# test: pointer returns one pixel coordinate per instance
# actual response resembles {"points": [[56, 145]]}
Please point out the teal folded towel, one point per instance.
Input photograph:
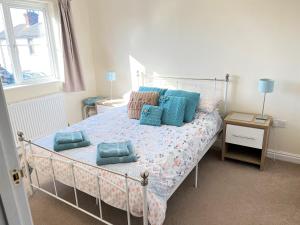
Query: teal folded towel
{"points": [[91, 101], [84, 143], [113, 160], [116, 149], [68, 137]]}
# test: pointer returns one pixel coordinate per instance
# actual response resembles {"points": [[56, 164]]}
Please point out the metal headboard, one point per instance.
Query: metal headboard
{"points": [[143, 79]]}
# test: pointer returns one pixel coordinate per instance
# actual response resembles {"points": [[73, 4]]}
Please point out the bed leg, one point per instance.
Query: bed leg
{"points": [[24, 155], [144, 184], [196, 176]]}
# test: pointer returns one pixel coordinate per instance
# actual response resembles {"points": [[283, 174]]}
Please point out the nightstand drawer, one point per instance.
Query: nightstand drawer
{"points": [[246, 136]]}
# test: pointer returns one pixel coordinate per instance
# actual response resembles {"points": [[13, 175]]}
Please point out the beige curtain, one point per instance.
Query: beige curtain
{"points": [[73, 73]]}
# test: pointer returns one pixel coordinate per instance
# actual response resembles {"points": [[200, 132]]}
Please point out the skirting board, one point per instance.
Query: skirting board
{"points": [[284, 156]]}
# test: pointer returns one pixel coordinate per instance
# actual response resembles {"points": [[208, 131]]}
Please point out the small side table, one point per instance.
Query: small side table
{"points": [[89, 106], [104, 105], [88, 110], [246, 140]]}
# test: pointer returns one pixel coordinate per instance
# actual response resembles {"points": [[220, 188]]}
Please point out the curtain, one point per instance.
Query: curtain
{"points": [[73, 73]]}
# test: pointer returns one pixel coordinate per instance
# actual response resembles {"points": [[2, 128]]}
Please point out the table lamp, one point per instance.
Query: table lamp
{"points": [[264, 86], [111, 76]]}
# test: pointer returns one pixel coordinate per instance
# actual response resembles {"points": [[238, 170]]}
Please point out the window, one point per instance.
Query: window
{"points": [[27, 43]]}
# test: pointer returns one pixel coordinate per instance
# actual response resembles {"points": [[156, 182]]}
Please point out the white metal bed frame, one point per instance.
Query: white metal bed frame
{"points": [[144, 175]]}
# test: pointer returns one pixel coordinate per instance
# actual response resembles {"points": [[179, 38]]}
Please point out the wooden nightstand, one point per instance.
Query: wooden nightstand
{"points": [[89, 106], [246, 140], [104, 105]]}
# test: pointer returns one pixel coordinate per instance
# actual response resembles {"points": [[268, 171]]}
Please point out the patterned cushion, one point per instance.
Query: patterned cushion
{"points": [[173, 110], [192, 102], [138, 99], [151, 115], [209, 105], [161, 91]]}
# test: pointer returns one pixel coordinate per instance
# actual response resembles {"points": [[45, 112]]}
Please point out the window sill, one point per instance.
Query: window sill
{"points": [[31, 84]]}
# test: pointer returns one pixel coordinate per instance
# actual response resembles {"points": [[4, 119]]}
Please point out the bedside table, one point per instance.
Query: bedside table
{"points": [[246, 139], [89, 106], [104, 105]]}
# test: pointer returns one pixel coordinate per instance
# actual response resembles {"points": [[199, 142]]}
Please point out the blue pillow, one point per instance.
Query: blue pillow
{"points": [[173, 110], [161, 91], [192, 102], [151, 115]]}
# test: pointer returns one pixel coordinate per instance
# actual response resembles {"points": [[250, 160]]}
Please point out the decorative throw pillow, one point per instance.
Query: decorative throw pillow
{"points": [[161, 91], [151, 115], [192, 101], [138, 99], [173, 110], [209, 105]]}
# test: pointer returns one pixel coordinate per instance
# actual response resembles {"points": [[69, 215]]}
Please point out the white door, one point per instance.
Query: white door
{"points": [[14, 208]]}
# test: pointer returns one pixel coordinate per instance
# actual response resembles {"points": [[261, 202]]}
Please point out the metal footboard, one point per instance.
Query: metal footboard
{"points": [[72, 166]]}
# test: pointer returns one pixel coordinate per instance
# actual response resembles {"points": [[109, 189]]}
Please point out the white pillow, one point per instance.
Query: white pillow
{"points": [[209, 104]]}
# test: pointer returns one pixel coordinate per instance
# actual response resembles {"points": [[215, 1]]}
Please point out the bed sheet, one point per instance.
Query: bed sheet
{"points": [[166, 152]]}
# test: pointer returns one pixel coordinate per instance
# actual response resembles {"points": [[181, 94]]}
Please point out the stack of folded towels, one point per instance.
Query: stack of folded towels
{"points": [[117, 152], [69, 140]]}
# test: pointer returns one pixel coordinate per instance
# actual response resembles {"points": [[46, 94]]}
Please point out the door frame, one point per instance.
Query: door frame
{"points": [[13, 195]]}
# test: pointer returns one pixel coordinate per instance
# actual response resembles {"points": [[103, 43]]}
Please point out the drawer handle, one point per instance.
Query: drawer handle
{"points": [[244, 137]]}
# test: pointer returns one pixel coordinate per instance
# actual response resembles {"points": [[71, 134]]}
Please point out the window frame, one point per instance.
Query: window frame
{"points": [[47, 8]]}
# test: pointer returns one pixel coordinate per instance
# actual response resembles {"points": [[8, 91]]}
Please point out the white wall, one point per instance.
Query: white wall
{"points": [[250, 39], [72, 100]]}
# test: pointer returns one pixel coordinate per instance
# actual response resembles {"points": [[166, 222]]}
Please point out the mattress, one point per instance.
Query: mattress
{"points": [[166, 152]]}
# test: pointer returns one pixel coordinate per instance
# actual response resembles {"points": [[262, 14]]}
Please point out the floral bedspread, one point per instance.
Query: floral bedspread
{"points": [[166, 152]]}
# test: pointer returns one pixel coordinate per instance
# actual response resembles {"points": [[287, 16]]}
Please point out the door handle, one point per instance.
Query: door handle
{"points": [[244, 137]]}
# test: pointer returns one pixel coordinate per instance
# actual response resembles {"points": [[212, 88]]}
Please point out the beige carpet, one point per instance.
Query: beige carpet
{"points": [[229, 193]]}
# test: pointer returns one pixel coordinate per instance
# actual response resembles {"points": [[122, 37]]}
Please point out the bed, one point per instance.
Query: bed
{"points": [[166, 156]]}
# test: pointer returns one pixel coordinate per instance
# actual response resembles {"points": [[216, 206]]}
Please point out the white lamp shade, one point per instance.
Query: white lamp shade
{"points": [[111, 76]]}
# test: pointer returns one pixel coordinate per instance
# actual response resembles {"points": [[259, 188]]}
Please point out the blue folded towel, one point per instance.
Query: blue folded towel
{"points": [[91, 101], [116, 149], [61, 147], [113, 160], [68, 137]]}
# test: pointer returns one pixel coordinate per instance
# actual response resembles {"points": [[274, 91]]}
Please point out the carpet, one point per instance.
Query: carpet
{"points": [[228, 193]]}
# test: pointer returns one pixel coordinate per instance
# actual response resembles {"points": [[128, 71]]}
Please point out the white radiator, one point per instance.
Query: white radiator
{"points": [[39, 116]]}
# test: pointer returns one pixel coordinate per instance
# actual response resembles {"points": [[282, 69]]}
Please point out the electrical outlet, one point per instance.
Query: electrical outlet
{"points": [[279, 123]]}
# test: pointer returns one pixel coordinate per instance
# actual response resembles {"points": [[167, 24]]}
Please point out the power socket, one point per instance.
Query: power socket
{"points": [[279, 123]]}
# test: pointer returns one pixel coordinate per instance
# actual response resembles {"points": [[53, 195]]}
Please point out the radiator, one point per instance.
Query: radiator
{"points": [[38, 117]]}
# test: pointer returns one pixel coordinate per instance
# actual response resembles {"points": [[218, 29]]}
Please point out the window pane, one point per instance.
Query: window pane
{"points": [[6, 68], [32, 43]]}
